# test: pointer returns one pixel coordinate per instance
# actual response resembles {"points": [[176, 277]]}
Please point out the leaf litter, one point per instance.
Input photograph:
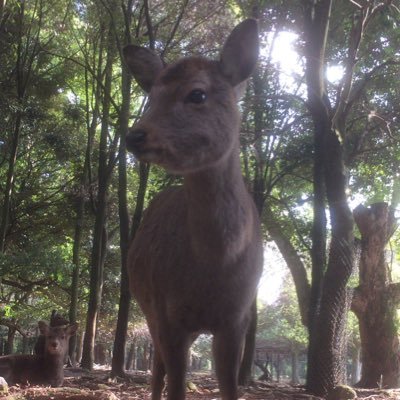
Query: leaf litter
{"points": [[97, 385]]}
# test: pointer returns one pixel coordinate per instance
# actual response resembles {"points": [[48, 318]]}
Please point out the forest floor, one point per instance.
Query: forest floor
{"points": [[97, 385]]}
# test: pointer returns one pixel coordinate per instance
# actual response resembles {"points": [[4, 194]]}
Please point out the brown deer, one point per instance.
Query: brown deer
{"points": [[196, 259], [56, 319], [42, 369]]}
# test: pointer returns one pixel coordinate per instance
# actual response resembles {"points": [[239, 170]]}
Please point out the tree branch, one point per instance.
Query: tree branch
{"points": [[13, 325]]}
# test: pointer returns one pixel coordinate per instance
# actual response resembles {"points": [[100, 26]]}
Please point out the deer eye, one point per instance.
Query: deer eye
{"points": [[196, 96]]}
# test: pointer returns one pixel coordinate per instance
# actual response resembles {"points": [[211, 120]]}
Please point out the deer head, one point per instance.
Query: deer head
{"points": [[192, 121]]}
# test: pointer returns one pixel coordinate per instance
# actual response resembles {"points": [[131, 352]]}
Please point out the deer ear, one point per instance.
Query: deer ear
{"points": [[240, 52], [71, 329], [144, 65], [43, 327]]}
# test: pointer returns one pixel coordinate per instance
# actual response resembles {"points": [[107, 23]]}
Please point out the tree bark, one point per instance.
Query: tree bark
{"points": [[375, 303], [10, 340], [130, 359], [125, 297], [295, 367], [9, 182], [100, 230], [73, 309], [355, 365], [293, 261], [118, 360], [329, 301], [83, 190]]}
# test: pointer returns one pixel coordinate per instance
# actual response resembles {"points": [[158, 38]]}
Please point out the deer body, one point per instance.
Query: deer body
{"points": [[195, 262], [46, 368]]}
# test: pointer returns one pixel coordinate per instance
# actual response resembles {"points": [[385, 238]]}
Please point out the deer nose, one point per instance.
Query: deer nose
{"points": [[135, 138]]}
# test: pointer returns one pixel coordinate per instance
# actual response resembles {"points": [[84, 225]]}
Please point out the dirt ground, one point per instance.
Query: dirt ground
{"points": [[79, 385]]}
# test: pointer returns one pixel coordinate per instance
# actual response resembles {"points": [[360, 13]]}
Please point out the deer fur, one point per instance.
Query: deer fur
{"points": [[196, 260], [41, 369]]}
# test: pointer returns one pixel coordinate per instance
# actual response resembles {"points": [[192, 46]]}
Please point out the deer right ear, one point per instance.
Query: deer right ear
{"points": [[144, 65]]}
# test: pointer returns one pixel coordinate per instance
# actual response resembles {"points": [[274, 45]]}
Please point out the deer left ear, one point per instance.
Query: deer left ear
{"points": [[71, 329], [240, 52]]}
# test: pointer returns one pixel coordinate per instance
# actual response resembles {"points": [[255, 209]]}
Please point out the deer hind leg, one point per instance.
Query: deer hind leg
{"points": [[175, 347], [158, 375], [227, 350]]}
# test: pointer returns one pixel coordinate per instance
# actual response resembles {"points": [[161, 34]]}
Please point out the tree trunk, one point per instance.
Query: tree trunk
{"points": [[125, 297], [327, 368], [9, 182], [375, 304], [130, 359], [80, 213], [118, 360], [295, 367], [329, 302], [293, 261], [79, 347], [22, 79], [73, 309], [9, 348], [278, 367], [100, 231], [91, 124], [355, 365]]}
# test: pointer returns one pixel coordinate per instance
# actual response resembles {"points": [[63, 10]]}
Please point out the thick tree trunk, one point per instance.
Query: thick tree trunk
{"points": [[316, 28], [329, 301], [329, 367], [375, 304]]}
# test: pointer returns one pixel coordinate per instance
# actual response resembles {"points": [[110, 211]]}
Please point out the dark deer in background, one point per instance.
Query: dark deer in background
{"points": [[42, 369], [197, 258], [56, 319]]}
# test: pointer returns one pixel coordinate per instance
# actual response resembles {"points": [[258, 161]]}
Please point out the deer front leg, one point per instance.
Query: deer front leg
{"points": [[227, 350]]}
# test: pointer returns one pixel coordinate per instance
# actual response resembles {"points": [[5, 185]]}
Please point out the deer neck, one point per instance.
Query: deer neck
{"points": [[220, 213]]}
